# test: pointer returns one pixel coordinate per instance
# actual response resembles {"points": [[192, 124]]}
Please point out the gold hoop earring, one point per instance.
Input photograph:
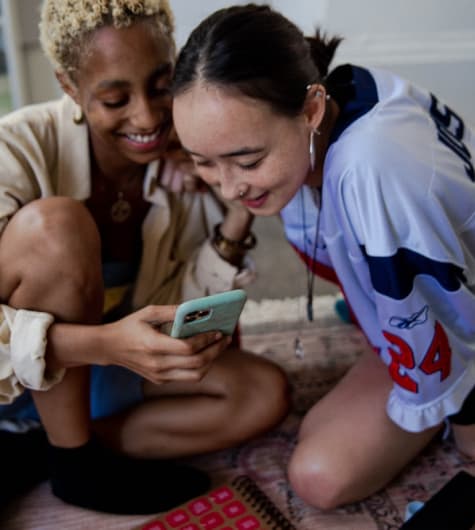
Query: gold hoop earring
{"points": [[78, 116]]}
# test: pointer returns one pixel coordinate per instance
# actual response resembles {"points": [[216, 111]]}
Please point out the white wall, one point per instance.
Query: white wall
{"points": [[31, 77], [432, 42], [188, 13]]}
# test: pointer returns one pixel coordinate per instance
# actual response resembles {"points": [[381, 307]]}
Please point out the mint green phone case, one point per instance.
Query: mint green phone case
{"points": [[218, 312]]}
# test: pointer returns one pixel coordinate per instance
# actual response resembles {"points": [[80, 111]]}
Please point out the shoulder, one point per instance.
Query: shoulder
{"points": [[379, 162], [36, 112], [384, 121], [36, 123], [388, 146]]}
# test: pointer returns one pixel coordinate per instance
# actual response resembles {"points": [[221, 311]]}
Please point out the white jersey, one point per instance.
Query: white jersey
{"points": [[397, 229]]}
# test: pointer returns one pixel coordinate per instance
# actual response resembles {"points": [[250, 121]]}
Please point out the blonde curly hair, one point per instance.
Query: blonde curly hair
{"points": [[67, 25]]}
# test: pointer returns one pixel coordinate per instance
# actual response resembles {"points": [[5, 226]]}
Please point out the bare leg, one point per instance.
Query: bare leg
{"points": [[242, 396], [50, 261], [348, 447], [465, 439]]}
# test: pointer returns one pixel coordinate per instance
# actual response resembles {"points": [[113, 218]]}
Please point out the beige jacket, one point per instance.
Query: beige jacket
{"points": [[44, 153]]}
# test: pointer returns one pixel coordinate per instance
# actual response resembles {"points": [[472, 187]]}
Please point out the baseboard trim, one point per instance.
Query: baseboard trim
{"points": [[400, 48]]}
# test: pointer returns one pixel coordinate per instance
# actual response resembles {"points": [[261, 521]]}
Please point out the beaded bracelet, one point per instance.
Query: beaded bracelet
{"points": [[230, 249]]}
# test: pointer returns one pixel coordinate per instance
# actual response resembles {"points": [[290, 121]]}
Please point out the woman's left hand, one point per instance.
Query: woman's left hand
{"points": [[179, 173], [237, 220]]}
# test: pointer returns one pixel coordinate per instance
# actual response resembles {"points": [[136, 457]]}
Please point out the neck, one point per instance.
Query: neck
{"points": [[112, 167], [315, 178], [116, 175]]}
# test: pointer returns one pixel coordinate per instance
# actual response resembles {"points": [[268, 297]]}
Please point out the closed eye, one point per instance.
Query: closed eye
{"points": [[115, 104], [202, 163], [251, 165]]}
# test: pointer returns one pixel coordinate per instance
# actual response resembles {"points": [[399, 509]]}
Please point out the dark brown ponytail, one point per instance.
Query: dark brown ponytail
{"points": [[322, 50]]}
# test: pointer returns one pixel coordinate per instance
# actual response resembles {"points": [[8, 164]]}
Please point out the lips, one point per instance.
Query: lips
{"points": [[256, 202], [143, 138], [150, 141]]}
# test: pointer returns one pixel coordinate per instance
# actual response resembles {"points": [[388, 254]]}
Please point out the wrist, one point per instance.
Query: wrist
{"points": [[72, 345], [230, 249], [236, 224]]}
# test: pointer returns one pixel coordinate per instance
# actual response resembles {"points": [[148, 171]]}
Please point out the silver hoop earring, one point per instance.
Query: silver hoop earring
{"points": [[311, 149]]}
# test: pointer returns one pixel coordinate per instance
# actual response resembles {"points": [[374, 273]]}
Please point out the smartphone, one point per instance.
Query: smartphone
{"points": [[217, 312]]}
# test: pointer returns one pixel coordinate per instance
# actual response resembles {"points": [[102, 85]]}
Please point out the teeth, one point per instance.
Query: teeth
{"points": [[143, 138]]}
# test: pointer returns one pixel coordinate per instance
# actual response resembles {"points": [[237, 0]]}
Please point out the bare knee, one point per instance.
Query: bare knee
{"points": [[270, 393], [50, 249], [255, 394], [314, 482], [51, 221]]}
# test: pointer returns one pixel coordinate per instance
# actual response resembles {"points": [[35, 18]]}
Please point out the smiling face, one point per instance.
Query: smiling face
{"points": [[243, 146], [123, 87]]}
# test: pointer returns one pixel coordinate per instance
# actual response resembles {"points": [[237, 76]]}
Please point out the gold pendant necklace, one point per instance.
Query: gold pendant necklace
{"points": [[121, 209], [298, 346]]}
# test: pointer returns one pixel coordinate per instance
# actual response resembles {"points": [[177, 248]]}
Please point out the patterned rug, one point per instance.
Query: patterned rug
{"points": [[269, 329]]}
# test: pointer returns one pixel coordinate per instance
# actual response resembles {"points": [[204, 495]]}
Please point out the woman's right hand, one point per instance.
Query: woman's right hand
{"points": [[135, 342]]}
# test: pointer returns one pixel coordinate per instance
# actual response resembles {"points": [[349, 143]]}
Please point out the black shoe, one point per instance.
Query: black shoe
{"points": [[94, 477], [24, 465]]}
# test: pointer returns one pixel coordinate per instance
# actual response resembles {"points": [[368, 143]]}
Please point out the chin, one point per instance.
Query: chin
{"points": [[276, 208], [269, 212], [145, 158], [265, 211]]}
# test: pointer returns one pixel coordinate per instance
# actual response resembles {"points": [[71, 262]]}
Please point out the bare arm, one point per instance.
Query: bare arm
{"points": [[135, 342]]}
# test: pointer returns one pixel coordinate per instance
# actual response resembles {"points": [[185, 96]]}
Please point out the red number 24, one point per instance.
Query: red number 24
{"points": [[437, 359]]}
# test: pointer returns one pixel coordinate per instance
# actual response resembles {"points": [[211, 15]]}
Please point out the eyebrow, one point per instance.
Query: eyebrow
{"points": [[239, 152], [161, 71]]}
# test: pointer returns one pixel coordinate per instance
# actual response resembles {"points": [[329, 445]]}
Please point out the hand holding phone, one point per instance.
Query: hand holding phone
{"points": [[217, 312]]}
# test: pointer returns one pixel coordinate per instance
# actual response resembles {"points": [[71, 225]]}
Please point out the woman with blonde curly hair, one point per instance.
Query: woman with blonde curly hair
{"points": [[92, 246]]}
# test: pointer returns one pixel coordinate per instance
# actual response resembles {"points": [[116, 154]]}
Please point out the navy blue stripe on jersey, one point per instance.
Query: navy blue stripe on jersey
{"points": [[394, 276], [354, 90]]}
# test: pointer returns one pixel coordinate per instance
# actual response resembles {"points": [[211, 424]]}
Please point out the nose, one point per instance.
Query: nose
{"points": [[229, 184], [145, 114]]}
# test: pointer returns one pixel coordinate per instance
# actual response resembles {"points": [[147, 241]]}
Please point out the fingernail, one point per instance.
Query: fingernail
{"points": [[219, 335]]}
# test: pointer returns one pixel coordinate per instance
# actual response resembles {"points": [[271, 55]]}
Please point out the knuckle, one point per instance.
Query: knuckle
{"points": [[197, 361], [190, 348], [154, 365], [196, 376]]}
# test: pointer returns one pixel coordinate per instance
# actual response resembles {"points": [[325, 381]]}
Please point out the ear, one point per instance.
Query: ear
{"points": [[315, 105], [67, 85]]}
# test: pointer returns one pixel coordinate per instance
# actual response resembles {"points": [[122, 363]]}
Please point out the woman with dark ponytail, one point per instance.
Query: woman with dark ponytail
{"points": [[373, 178]]}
